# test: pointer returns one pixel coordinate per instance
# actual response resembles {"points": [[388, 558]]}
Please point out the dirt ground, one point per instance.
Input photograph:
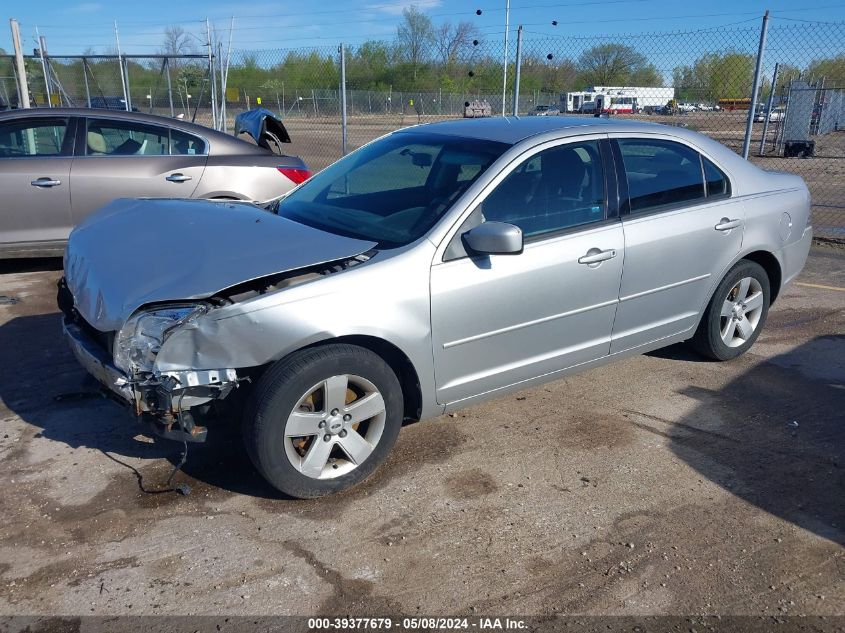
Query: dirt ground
{"points": [[663, 484]]}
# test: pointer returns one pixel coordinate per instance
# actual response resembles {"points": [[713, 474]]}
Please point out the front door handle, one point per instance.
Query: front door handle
{"points": [[596, 256], [177, 177], [726, 224], [45, 182]]}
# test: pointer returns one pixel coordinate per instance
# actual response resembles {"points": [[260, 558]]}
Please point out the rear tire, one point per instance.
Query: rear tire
{"points": [[736, 314], [323, 419]]}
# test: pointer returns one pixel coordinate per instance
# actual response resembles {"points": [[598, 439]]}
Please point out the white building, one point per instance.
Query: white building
{"points": [[616, 99]]}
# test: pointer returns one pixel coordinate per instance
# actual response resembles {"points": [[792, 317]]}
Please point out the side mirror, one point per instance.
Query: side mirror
{"points": [[494, 238]]}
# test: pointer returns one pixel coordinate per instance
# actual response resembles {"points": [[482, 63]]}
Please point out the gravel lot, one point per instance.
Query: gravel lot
{"points": [[663, 484]]}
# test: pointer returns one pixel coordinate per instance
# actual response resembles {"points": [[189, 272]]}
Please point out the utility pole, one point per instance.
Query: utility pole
{"points": [[505, 67], [41, 53], [120, 65], [23, 89]]}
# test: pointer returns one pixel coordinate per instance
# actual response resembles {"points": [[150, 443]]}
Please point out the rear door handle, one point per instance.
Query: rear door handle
{"points": [[177, 177], [595, 256], [726, 224], [45, 182]]}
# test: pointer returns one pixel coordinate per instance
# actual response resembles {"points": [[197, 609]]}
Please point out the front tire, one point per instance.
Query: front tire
{"points": [[736, 313], [323, 419]]}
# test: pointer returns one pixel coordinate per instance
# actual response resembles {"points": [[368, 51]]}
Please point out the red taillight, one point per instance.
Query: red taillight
{"points": [[296, 175]]}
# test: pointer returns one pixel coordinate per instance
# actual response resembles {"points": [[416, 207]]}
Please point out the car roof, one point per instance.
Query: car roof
{"points": [[228, 142], [512, 130]]}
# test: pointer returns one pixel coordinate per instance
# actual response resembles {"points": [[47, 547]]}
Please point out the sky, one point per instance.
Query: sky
{"points": [[74, 27]]}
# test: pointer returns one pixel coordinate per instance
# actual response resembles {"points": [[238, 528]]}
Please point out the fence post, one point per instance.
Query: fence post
{"points": [[128, 92], [120, 66], [212, 76], [23, 86], [515, 110], [41, 53], [505, 66], [169, 86], [768, 111], [749, 124], [85, 77], [343, 97]]}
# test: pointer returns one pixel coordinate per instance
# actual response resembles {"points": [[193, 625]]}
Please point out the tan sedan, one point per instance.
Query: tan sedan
{"points": [[59, 165]]}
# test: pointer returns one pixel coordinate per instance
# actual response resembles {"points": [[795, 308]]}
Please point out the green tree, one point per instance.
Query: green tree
{"points": [[715, 76], [831, 69], [616, 65]]}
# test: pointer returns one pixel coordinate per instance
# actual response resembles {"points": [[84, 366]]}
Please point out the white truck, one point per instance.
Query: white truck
{"points": [[615, 99]]}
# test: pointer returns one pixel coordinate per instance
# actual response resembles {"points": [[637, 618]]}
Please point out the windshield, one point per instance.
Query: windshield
{"points": [[391, 191]]}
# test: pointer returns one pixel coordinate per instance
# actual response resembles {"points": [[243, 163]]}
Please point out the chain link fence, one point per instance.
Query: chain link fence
{"points": [[699, 79]]}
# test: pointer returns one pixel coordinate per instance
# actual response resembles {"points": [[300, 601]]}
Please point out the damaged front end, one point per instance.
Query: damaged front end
{"points": [[124, 299], [124, 363]]}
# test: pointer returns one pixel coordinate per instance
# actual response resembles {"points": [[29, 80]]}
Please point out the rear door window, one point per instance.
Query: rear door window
{"points": [[110, 137], [126, 138], [660, 173], [184, 144]]}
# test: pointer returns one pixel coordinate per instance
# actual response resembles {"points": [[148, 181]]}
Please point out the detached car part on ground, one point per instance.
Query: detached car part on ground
{"points": [[437, 267], [59, 165]]}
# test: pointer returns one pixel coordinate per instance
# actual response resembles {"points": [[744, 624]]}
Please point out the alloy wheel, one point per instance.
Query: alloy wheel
{"points": [[335, 426], [741, 312]]}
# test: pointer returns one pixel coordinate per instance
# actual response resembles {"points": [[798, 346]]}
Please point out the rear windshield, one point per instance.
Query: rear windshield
{"points": [[394, 190]]}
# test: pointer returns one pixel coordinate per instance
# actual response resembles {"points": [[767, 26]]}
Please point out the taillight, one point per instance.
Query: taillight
{"points": [[296, 175]]}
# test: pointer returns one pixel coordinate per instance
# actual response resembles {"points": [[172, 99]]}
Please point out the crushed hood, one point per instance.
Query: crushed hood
{"points": [[134, 252]]}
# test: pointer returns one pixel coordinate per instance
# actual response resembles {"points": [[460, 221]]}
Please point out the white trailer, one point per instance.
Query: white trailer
{"points": [[615, 99]]}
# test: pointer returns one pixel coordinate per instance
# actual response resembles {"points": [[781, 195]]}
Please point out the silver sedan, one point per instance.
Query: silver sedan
{"points": [[59, 165], [437, 267]]}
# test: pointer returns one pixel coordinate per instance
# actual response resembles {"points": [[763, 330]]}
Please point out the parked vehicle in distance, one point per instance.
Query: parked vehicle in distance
{"points": [[687, 107], [704, 107], [59, 165], [437, 267], [110, 103], [776, 114], [545, 110], [588, 107]]}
